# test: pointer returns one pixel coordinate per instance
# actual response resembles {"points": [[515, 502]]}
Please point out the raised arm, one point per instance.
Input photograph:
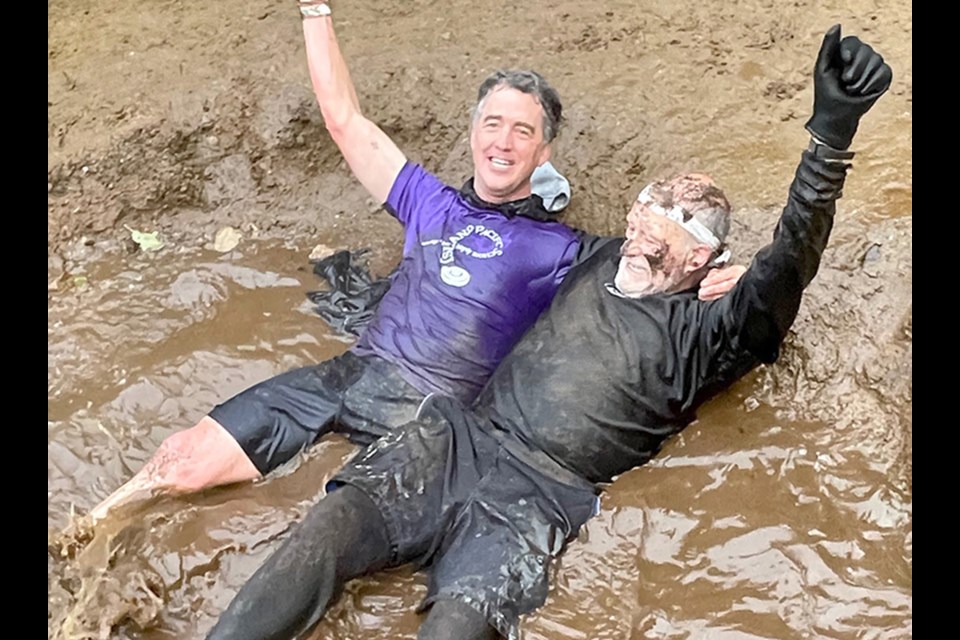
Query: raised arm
{"points": [[373, 157], [849, 77]]}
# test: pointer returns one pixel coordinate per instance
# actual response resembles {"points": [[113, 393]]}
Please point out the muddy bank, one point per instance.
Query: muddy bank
{"points": [[179, 110]]}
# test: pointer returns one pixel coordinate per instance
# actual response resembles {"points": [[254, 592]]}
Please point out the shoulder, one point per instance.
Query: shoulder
{"points": [[591, 245], [414, 175], [415, 187]]}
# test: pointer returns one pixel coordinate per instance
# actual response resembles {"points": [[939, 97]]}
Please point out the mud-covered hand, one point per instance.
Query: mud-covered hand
{"points": [[718, 282], [848, 78]]}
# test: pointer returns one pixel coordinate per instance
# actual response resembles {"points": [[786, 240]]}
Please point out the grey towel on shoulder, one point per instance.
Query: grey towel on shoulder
{"points": [[552, 187]]}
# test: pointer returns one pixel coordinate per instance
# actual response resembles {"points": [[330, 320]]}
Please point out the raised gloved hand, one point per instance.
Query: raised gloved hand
{"points": [[848, 78]]}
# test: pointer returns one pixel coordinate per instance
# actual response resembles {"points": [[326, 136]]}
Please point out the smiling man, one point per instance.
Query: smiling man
{"points": [[506, 140], [660, 229], [479, 265]]}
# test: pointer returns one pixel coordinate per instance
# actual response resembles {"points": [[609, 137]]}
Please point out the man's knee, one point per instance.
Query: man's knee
{"points": [[455, 619], [205, 455], [173, 466], [359, 533]]}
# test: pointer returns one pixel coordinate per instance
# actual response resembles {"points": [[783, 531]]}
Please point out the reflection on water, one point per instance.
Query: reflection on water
{"points": [[739, 530], [223, 322], [747, 526]]}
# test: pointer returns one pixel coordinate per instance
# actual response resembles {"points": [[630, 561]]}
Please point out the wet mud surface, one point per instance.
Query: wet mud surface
{"points": [[785, 511]]}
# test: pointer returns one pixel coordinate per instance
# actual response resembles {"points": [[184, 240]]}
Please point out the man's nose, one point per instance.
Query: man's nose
{"points": [[505, 138], [630, 248]]}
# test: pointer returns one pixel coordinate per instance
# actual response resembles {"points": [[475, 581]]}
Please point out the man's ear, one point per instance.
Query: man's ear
{"points": [[544, 154], [698, 258]]}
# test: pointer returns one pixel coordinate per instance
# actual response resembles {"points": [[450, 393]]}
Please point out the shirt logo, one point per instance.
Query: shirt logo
{"points": [[456, 275]]}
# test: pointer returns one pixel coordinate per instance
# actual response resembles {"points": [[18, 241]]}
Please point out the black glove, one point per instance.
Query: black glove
{"points": [[847, 80]]}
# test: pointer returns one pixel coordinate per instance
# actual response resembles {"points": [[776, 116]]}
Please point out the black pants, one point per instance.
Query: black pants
{"points": [[342, 537]]}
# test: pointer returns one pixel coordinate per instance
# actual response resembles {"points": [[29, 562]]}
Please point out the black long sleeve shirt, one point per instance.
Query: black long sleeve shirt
{"points": [[601, 381]]}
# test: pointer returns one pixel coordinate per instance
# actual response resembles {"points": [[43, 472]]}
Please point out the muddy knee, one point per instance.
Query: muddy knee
{"points": [[197, 458]]}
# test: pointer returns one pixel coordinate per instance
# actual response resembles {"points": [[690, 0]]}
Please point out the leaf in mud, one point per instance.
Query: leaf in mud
{"points": [[320, 251], [227, 239], [146, 241]]}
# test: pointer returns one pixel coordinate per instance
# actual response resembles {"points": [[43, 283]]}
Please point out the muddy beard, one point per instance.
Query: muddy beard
{"points": [[663, 274], [663, 270]]}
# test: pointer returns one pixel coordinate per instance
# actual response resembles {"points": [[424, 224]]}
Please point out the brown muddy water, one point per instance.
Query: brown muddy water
{"points": [[784, 512], [749, 525]]}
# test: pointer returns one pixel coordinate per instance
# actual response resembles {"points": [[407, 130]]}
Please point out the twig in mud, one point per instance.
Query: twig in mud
{"points": [[107, 432]]}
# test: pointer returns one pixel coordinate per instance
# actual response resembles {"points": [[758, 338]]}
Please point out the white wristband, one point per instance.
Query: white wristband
{"points": [[315, 10]]}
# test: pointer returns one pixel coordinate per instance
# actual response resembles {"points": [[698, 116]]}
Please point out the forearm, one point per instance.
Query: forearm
{"points": [[374, 159], [329, 74], [766, 304], [804, 227]]}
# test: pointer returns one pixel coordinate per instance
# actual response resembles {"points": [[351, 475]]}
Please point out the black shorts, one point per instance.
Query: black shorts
{"points": [[361, 397], [457, 500]]}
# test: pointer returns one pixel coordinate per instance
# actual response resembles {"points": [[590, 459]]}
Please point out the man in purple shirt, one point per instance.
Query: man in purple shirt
{"points": [[479, 266]]}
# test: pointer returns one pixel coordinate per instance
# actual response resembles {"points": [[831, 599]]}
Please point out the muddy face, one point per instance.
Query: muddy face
{"points": [[654, 256]]}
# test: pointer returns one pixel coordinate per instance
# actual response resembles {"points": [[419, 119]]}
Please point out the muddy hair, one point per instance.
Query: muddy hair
{"points": [[529, 82], [698, 196]]}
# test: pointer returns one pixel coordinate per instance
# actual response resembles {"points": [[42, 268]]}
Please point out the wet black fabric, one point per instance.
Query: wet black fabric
{"points": [[350, 301], [601, 381], [590, 244], [361, 397], [530, 207], [461, 499], [342, 537], [453, 619]]}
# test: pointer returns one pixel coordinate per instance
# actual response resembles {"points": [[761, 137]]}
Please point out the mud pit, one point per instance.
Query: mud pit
{"points": [[784, 512]]}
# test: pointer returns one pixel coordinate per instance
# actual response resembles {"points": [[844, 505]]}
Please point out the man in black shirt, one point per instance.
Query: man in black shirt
{"points": [[486, 497]]}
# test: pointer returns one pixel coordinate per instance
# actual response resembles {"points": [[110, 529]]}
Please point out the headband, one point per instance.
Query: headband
{"points": [[688, 221]]}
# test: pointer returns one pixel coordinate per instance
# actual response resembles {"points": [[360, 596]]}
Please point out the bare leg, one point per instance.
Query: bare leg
{"points": [[197, 458], [342, 537], [454, 619]]}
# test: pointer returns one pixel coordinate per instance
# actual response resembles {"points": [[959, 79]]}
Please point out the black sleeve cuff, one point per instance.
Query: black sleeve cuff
{"points": [[821, 149]]}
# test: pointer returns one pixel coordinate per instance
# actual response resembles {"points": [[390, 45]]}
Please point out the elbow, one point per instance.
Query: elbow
{"points": [[763, 337], [764, 323], [335, 129], [337, 121]]}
